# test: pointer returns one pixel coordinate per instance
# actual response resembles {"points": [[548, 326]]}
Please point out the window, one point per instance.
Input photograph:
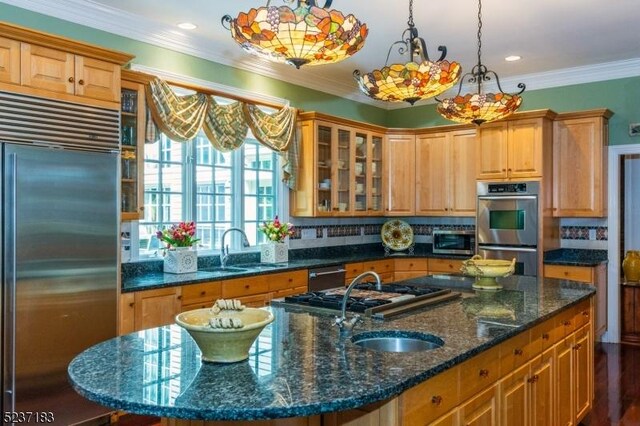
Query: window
{"points": [[193, 181]]}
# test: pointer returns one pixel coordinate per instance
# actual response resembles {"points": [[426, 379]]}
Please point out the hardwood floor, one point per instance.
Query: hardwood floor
{"points": [[617, 386]]}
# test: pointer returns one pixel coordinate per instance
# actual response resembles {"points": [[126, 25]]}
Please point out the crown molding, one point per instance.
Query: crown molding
{"points": [[112, 20]]}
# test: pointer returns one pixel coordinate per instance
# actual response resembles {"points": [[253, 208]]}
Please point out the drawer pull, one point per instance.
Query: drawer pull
{"points": [[131, 304], [484, 373], [566, 273], [545, 336], [81, 82], [566, 323], [577, 347], [533, 379], [203, 293], [585, 313], [71, 80], [517, 352], [247, 286], [436, 400]]}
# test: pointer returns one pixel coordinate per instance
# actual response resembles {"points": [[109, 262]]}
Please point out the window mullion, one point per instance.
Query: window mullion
{"points": [[237, 193], [189, 179]]}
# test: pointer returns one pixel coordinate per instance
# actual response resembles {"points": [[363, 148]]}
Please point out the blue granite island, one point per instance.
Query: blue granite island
{"points": [[299, 367]]}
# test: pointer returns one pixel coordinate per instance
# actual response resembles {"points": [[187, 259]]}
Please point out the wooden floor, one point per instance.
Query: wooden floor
{"points": [[617, 386], [617, 382]]}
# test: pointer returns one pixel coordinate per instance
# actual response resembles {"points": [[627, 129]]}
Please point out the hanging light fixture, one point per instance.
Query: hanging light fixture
{"points": [[420, 78], [480, 107], [306, 35]]}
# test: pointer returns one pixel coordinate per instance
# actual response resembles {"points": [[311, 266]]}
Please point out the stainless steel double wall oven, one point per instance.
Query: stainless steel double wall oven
{"points": [[507, 223]]}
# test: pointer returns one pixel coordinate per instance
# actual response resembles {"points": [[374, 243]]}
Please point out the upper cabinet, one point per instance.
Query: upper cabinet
{"points": [[516, 148], [340, 170], [41, 64], [580, 164], [132, 121], [431, 174]]}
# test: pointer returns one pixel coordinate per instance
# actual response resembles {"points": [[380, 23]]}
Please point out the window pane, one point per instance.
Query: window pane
{"points": [[250, 182], [223, 158], [250, 156], [266, 183], [152, 151], [250, 208], [172, 178], [171, 151], [251, 229], [222, 180], [223, 209], [266, 158], [173, 208]]}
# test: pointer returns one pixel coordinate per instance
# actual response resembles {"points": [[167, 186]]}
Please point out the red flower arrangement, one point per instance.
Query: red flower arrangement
{"points": [[180, 235], [276, 230]]}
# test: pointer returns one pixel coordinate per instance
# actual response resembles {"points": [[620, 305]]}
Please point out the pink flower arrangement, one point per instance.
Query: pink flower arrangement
{"points": [[276, 230], [180, 235]]}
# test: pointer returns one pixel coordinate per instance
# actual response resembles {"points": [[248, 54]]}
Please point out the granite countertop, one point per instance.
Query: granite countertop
{"points": [[576, 257], [299, 366]]}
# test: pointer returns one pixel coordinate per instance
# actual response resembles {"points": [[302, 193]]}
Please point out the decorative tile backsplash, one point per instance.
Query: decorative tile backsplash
{"points": [[582, 232], [371, 229]]}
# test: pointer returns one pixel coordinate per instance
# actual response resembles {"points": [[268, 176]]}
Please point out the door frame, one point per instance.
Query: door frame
{"points": [[613, 279]]}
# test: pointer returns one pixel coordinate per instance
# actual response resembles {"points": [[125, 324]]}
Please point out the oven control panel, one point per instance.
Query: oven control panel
{"points": [[507, 188]]}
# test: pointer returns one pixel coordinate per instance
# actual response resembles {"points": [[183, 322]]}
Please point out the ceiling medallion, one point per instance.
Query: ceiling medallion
{"points": [[306, 35], [420, 78], [480, 107]]}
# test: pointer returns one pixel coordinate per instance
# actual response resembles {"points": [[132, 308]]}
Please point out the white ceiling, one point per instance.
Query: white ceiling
{"points": [[599, 39]]}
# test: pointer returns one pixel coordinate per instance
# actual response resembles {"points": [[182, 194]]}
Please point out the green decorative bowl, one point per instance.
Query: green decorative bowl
{"points": [[224, 345]]}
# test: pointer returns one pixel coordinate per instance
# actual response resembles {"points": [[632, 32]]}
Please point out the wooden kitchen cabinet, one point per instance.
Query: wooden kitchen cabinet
{"points": [[631, 314], [400, 175], [288, 283], [444, 266], [580, 143], [127, 314], [132, 131], [410, 268], [340, 170], [9, 61], [597, 277], [445, 173], [481, 410], [515, 148], [155, 308]]}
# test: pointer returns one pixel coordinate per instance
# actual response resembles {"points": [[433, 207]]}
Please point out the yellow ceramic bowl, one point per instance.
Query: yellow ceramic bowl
{"points": [[487, 270], [224, 345]]}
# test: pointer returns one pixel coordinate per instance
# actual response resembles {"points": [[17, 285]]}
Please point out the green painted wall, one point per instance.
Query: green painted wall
{"points": [[157, 57], [621, 96]]}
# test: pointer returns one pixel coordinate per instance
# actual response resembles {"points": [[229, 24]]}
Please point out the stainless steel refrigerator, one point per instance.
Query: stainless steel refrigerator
{"points": [[59, 249]]}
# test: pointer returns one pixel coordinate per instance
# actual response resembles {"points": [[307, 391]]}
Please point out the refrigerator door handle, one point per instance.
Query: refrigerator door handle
{"points": [[10, 285]]}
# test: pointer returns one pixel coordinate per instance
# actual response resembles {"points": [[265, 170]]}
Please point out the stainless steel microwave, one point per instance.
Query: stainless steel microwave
{"points": [[454, 242]]}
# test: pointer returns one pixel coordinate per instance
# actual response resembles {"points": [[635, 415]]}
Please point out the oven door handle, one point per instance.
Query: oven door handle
{"points": [[507, 197], [319, 274], [508, 248]]}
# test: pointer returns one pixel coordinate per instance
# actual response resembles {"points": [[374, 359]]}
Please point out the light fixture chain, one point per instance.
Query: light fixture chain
{"points": [[479, 31], [410, 22]]}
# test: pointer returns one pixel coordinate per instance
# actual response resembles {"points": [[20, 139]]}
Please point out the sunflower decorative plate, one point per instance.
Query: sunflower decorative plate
{"points": [[397, 235]]}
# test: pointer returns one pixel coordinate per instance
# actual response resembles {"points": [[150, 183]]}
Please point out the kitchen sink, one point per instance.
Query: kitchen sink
{"points": [[227, 269], [397, 341], [258, 265]]}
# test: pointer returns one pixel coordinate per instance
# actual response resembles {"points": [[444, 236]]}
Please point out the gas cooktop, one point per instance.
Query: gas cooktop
{"points": [[394, 299]]}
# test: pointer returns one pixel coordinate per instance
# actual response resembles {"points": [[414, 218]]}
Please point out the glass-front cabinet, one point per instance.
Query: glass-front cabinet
{"points": [[132, 115], [340, 171]]}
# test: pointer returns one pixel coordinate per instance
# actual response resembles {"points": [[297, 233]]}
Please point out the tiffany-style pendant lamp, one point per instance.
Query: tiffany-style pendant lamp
{"points": [[417, 79], [306, 35], [480, 107]]}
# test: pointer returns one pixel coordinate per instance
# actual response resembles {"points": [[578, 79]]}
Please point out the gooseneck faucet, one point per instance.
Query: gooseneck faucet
{"points": [[224, 250], [346, 326]]}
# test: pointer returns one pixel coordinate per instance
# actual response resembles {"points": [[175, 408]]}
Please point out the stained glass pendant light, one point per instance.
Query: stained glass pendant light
{"points": [[420, 78], [306, 35], [480, 107]]}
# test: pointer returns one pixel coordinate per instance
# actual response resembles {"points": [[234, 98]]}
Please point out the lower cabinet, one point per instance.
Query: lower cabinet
{"points": [[481, 410], [410, 268], [148, 309], [631, 313], [444, 266]]}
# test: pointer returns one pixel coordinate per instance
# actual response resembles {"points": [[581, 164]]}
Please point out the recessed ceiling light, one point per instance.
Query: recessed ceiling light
{"points": [[187, 26], [512, 58]]}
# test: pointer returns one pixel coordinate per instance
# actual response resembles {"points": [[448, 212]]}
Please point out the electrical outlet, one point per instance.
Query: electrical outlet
{"points": [[592, 234], [308, 234]]}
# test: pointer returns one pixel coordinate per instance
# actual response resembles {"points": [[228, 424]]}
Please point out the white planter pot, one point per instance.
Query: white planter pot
{"points": [[274, 252], [181, 260]]}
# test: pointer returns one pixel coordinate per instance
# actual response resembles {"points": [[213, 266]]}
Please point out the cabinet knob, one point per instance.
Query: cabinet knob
{"points": [[504, 170], [247, 286], [484, 373], [566, 323], [203, 293], [131, 304], [509, 170], [533, 378], [81, 82], [179, 297], [71, 79], [577, 347], [545, 336], [436, 400], [585, 313], [517, 352]]}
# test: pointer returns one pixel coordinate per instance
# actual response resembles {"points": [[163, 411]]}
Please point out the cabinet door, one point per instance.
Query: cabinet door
{"points": [[48, 69], [565, 382], [132, 122], [631, 313], [342, 182], [541, 385], [524, 149], [481, 410], [491, 151], [361, 170], [154, 308], [432, 174], [375, 175], [514, 396], [126, 324], [97, 79], [583, 376], [400, 175], [579, 170], [325, 140], [462, 173], [9, 61]]}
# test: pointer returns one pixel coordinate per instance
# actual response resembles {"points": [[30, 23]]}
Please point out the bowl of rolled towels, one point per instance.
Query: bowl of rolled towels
{"points": [[225, 332]]}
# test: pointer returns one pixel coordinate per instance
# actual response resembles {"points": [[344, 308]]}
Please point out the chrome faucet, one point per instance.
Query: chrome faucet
{"points": [[346, 326], [224, 250]]}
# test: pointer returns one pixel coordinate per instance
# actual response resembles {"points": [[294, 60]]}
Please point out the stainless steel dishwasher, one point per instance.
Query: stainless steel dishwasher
{"points": [[327, 277]]}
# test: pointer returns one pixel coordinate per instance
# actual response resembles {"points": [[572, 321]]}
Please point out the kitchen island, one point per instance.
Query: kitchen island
{"points": [[534, 332]]}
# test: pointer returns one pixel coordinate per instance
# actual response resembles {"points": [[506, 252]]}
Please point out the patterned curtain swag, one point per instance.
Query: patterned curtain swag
{"points": [[182, 117]]}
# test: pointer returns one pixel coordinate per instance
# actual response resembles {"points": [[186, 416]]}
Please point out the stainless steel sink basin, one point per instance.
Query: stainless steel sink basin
{"points": [[263, 265], [397, 341], [226, 269]]}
